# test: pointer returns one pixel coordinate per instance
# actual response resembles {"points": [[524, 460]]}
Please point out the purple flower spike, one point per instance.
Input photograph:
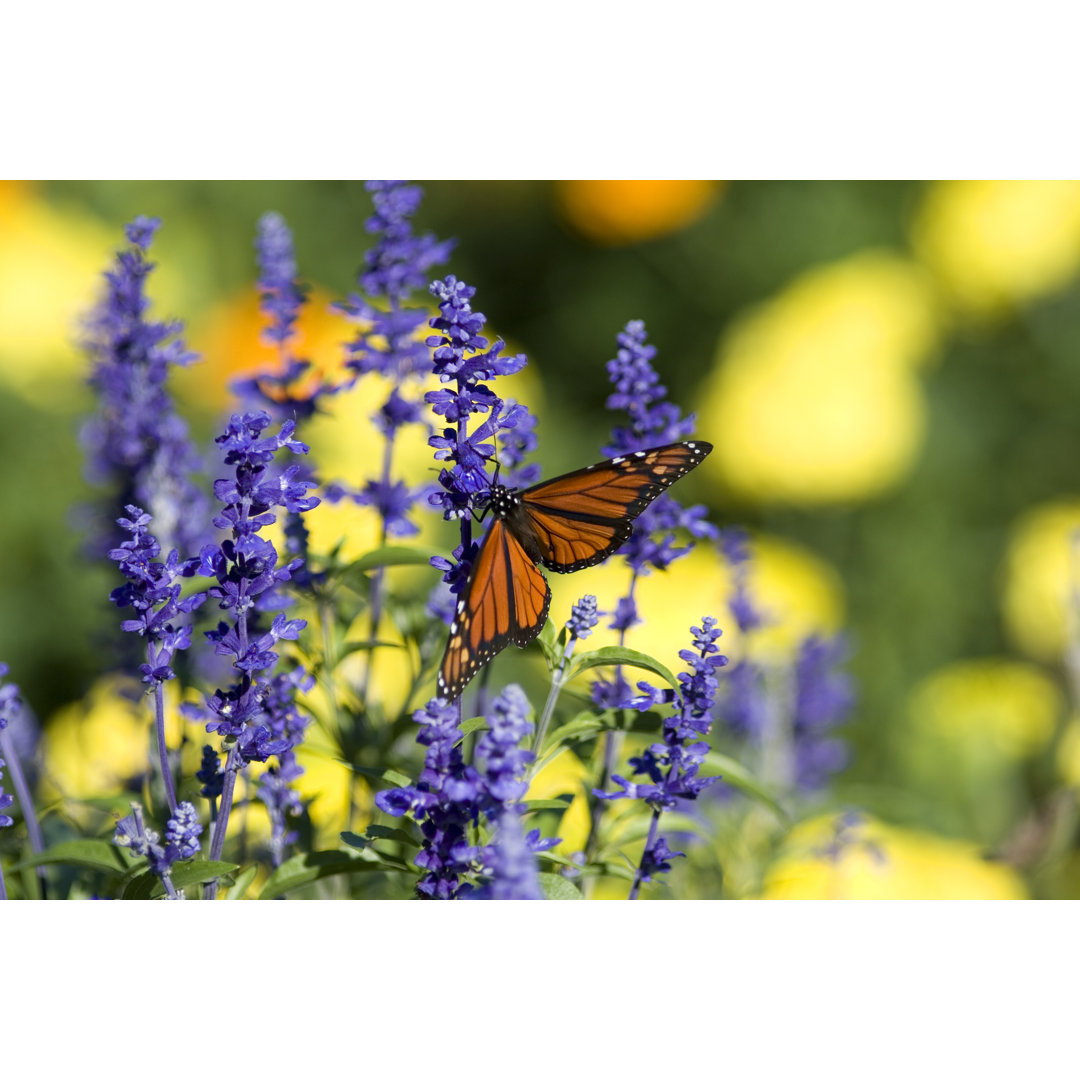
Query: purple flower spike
{"points": [[451, 796], [388, 342], [444, 802], [824, 697], [654, 422], [137, 443], [513, 864], [256, 716], [793, 731], [464, 357], [153, 592], [182, 834], [281, 296], [583, 617], [672, 767]]}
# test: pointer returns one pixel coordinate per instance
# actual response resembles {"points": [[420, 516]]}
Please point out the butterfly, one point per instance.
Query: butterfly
{"points": [[573, 521]]}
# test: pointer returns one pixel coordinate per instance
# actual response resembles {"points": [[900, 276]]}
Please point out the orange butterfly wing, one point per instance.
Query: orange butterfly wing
{"points": [[576, 520], [506, 600], [583, 517]]}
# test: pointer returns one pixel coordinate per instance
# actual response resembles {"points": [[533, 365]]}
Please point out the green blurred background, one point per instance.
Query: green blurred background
{"points": [[890, 373]]}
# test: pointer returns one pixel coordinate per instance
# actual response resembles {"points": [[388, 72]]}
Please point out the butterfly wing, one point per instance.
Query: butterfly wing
{"points": [[583, 517], [506, 599]]}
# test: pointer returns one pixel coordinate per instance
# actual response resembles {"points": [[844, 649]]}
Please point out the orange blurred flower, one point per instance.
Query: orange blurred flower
{"points": [[627, 211], [230, 346]]}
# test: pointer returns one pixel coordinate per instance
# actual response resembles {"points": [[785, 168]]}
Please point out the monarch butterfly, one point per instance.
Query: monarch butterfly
{"points": [[568, 523]]}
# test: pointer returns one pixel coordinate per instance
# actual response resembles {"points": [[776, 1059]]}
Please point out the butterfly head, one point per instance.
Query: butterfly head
{"points": [[501, 501]]}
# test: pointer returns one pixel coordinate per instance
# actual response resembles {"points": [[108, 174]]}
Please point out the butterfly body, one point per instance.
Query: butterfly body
{"points": [[566, 524]]}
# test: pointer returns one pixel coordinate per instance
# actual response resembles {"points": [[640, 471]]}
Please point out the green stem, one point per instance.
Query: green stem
{"points": [[558, 681]]}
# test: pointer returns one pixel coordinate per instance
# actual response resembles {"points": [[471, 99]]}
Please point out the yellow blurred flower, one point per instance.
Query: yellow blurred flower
{"points": [[564, 775], [337, 798], [1068, 753], [1002, 705], [1041, 579], [619, 212], [798, 591], [883, 862], [51, 259], [230, 346], [814, 398], [994, 244], [94, 746]]}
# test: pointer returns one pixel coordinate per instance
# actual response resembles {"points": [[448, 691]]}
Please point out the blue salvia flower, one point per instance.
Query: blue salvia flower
{"points": [[17, 740], [136, 442], [848, 835], [672, 767], [9, 704], [282, 801], [275, 785], [584, 616], [653, 422], [746, 707], [445, 802], [735, 545], [153, 590], [512, 867], [249, 715], [451, 796], [824, 697], [515, 444], [510, 861], [210, 776], [5, 801], [281, 299], [789, 712], [281, 295], [394, 267], [182, 834], [499, 753], [287, 393], [462, 355]]}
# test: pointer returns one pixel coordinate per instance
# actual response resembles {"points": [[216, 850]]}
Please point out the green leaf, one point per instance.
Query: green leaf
{"points": [[615, 655], [589, 723], [378, 832], [556, 887], [532, 805], [630, 828], [391, 776], [141, 887], [738, 776], [310, 866], [624, 869], [243, 880], [581, 726], [562, 860], [148, 886], [350, 647], [91, 854], [198, 871], [393, 555], [548, 640], [474, 723]]}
